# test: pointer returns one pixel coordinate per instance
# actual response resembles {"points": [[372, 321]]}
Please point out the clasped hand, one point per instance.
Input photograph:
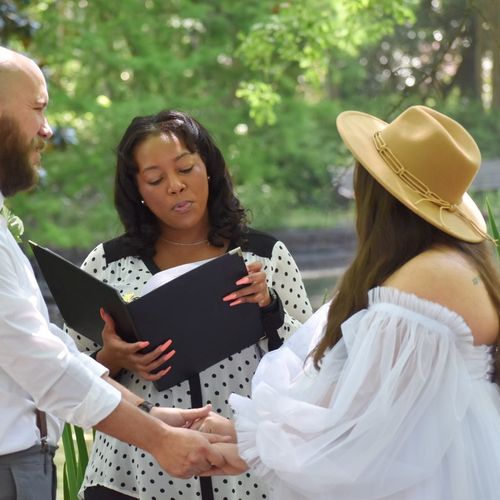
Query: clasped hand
{"points": [[205, 444], [218, 425]]}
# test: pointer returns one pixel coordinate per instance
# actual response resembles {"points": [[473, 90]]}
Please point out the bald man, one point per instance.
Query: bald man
{"points": [[44, 380]]}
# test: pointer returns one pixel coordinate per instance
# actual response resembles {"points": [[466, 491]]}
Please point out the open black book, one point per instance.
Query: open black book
{"points": [[188, 309]]}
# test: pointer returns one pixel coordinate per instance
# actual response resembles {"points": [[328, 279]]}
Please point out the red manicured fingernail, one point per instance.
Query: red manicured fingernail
{"points": [[231, 296], [243, 281]]}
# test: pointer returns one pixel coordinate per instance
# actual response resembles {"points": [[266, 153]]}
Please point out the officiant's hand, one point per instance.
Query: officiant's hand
{"points": [[256, 291], [116, 354]]}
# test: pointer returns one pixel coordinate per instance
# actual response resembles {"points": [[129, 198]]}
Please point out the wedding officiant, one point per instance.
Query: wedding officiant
{"points": [[174, 196]]}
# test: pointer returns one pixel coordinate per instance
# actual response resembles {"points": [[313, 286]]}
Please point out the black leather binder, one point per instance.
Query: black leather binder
{"points": [[189, 310]]}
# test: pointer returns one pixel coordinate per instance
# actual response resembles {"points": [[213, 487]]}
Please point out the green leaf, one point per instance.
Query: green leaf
{"points": [[493, 226], [14, 223], [76, 460], [83, 456], [65, 483], [71, 463]]}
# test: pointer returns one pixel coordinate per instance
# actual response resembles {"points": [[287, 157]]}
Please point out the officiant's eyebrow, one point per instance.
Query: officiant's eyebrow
{"points": [[183, 154]]}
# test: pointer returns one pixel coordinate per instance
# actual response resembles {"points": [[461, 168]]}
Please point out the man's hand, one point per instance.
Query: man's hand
{"points": [[181, 452], [217, 424], [186, 453], [179, 417], [117, 354], [233, 465]]}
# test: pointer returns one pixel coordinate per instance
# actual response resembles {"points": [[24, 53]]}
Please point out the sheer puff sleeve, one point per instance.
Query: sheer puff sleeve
{"points": [[377, 418]]}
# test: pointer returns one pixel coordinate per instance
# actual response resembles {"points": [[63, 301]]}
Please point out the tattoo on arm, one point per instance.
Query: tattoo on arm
{"points": [[476, 280]]}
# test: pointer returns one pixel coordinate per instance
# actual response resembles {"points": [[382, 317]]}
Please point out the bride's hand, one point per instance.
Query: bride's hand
{"points": [[234, 463]]}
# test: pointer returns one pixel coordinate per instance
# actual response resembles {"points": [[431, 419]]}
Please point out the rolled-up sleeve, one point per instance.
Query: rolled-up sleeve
{"points": [[44, 363]]}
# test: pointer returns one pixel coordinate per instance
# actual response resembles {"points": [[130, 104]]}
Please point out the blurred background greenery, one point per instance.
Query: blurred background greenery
{"points": [[267, 78]]}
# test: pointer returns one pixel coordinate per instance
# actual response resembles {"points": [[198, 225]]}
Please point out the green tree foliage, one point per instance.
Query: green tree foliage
{"points": [[13, 23], [105, 65], [304, 47], [267, 78]]}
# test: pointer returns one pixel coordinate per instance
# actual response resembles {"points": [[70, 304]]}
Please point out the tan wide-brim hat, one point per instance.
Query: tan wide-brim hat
{"points": [[424, 159]]}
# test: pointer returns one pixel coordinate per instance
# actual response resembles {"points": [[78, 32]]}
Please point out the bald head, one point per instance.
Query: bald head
{"points": [[23, 125], [16, 69]]}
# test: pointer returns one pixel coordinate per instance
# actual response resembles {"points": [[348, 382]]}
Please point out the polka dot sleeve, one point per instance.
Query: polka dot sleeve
{"points": [[284, 276]]}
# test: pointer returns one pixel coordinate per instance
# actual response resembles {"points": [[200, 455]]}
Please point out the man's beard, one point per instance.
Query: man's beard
{"points": [[17, 171]]}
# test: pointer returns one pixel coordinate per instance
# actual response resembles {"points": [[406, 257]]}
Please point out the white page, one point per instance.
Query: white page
{"points": [[167, 275]]}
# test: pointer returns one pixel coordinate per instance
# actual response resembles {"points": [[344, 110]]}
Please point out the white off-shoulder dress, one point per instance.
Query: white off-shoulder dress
{"points": [[402, 409]]}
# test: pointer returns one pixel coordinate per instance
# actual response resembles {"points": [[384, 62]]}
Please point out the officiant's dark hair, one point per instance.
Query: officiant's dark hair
{"points": [[142, 229]]}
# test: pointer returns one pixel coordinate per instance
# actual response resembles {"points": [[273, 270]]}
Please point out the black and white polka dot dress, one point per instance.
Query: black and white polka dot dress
{"points": [[129, 470]]}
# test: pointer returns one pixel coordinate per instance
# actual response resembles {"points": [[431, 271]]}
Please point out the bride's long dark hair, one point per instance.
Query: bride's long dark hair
{"points": [[389, 235]]}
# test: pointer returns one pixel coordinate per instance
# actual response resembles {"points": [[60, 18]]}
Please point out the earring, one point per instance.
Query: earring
{"points": [[208, 177], [142, 201]]}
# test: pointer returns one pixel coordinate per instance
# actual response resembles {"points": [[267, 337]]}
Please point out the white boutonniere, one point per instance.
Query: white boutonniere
{"points": [[14, 223]]}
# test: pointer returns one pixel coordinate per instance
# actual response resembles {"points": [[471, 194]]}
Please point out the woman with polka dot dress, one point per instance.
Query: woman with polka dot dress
{"points": [[174, 196]]}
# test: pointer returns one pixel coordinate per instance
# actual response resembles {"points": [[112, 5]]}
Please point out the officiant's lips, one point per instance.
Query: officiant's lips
{"points": [[182, 207]]}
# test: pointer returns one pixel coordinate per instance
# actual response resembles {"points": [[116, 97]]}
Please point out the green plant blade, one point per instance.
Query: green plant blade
{"points": [[70, 465], [493, 226], [83, 456], [66, 494]]}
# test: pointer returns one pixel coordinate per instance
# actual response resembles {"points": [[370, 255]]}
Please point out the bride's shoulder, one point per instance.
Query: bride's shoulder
{"points": [[445, 276]]}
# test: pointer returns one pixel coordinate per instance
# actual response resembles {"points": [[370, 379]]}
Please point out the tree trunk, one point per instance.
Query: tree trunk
{"points": [[488, 42], [468, 76], [480, 45]]}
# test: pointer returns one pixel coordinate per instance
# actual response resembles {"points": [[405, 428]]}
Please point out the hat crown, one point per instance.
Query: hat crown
{"points": [[425, 160], [435, 149]]}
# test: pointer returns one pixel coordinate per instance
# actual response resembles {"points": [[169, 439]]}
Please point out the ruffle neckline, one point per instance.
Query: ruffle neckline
{"points": [[453, 322], [418, 305]]}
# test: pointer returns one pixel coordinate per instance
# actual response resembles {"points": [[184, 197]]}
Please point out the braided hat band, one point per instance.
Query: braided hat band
{"points": [[421, 188], [426, 160]]}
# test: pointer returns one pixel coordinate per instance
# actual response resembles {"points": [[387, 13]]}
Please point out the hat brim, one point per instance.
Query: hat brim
{"points": [[357, 130]]}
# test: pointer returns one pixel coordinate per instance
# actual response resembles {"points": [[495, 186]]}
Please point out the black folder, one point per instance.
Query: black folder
{"points": [[189, 310]]}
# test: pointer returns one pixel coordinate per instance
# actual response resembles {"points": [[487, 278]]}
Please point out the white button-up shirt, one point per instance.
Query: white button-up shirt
{"points": [[40, 366]]}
